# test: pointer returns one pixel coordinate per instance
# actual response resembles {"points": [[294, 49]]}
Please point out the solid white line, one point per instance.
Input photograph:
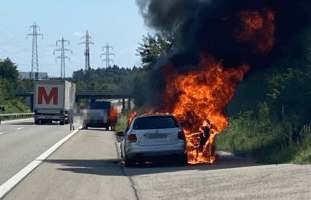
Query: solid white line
{"points": [[12, 182], [20, 128]]}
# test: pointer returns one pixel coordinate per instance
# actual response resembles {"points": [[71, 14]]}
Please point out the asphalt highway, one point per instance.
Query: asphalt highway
{"points": [[21, 141], [88, 166]]}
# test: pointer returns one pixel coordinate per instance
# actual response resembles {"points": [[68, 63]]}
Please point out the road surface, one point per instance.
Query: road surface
{"points": [[87, 167], [21, 141]]}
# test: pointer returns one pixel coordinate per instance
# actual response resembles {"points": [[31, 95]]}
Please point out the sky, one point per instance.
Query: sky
{"points": [[116, 22]]}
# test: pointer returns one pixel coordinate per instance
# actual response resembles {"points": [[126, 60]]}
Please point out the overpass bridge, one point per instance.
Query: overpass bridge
{"points": [[89, 94]]}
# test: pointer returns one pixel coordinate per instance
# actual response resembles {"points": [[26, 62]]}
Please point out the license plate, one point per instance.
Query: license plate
{"points": [[157, 136]]}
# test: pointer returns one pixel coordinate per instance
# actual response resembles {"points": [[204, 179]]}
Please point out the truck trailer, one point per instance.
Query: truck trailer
{"points": [[52, 100]]}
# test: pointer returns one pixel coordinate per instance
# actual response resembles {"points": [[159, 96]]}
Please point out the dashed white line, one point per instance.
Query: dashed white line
{"points": [[20, 128]]}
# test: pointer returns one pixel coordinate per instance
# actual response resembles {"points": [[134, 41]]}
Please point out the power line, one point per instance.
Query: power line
{"points": [[34, 62], [107, 55], [87, 51], [62, 66]]}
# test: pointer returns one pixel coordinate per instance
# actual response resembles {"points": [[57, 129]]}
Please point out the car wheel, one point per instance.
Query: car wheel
{"points": [[36, 121], [183, 160], [107, 128], [129, 162], [62, 122]]}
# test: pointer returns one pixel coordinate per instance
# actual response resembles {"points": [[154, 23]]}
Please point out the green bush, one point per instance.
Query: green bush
{"points": [[266, 139]]}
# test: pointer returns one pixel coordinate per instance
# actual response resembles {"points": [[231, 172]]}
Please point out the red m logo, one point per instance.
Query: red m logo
{"points": [[47, 98]]}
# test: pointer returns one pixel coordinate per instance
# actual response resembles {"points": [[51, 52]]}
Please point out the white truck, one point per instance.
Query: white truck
{"points": [[52, 100]]}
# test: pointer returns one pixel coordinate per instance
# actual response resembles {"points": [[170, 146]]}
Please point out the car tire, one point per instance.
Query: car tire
{"points": [[107, 128], [62, 122], [183, 160], [129, 162], [36, 121]]}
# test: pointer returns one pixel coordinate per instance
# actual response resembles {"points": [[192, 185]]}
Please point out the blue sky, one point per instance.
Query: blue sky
{"points": [[116, 22]]}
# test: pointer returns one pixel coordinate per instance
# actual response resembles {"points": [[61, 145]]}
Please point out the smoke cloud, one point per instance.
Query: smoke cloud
{"points": [[208, 26]]}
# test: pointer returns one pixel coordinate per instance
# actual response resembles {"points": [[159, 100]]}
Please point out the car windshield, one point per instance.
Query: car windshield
{"points": [[155, 122]]}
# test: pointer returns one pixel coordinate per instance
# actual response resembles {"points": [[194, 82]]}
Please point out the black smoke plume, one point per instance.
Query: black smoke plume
{"points": [[208, 25]]}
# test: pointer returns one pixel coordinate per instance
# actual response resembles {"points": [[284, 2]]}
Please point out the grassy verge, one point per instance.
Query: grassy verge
{"points": [[122, 123], [266, 140], [14, 106]]}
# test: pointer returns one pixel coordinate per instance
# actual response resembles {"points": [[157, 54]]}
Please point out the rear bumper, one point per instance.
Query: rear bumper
{"points": [[49, 117], [98, 123], [134, 151]]}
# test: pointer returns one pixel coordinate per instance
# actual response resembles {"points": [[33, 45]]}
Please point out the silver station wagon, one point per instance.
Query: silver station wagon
{"points": [[152, 137]]}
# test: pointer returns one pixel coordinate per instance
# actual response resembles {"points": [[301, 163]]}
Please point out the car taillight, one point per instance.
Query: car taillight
{"points": [[132, 138], [181, 135]]}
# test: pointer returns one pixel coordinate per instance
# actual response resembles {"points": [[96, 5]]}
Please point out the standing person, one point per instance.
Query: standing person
{"points": [[70, 116]]}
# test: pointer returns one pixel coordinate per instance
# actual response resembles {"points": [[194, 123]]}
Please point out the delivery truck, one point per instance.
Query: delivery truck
{"points": [[52, 100], [101, 114]]}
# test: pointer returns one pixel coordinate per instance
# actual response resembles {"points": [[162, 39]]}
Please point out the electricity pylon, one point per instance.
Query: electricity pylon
{"points": [[62, 65], [34, 62], [87, 51], [107, 55]]}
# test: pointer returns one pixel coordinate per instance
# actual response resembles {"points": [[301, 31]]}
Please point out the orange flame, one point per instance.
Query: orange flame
{"points": [[204, 93]]}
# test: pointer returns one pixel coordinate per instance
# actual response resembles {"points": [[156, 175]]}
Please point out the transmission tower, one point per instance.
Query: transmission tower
{"points": [[62, 65], [107, 55], [34, 63], [87, 51]]}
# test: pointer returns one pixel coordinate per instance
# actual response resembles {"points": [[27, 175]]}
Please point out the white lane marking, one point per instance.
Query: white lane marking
{"points": [[12, 182], [20, 128]]}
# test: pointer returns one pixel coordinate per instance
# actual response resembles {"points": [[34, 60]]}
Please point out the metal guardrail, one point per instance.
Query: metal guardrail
{"points": [[16, 114]]}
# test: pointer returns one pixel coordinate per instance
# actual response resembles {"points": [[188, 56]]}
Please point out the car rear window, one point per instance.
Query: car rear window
{"points": [[155, 122]]}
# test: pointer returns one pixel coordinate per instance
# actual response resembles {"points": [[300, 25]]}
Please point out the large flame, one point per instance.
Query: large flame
{"points": [[198, 98], [203, 95]]}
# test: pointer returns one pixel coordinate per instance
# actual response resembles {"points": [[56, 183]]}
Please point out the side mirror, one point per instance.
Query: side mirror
{"points": [[120, 134]]}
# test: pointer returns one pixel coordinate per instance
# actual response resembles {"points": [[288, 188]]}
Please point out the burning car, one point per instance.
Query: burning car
{"points": [[151, 137]]}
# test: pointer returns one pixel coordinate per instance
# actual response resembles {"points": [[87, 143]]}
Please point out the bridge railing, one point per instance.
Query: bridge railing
{"points": [[15, 115]]}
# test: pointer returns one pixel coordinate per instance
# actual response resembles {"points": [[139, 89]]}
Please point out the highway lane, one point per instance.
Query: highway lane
{"points": [[21, 141], [87, 167]]}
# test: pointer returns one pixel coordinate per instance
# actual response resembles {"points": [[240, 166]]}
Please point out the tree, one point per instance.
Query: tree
{"points": [[78, 75], [25, 84], [9, 76], [152, 48]]}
